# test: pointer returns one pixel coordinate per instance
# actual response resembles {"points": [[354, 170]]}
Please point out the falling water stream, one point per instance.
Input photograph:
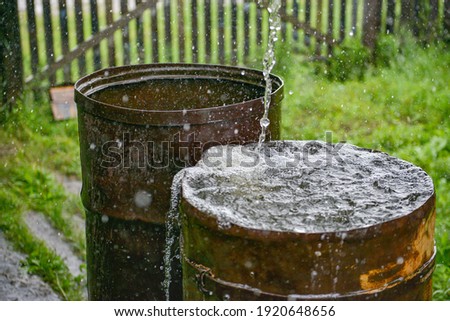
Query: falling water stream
{"points": [[269, 63], [273, 8]]}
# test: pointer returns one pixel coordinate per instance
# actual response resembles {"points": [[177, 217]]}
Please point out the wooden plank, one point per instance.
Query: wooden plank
{"points": [[283, 12], [259, 31], [31, 18], [330, 24], [446, 21], [417, 23], [95, 29], [371, 22], [354, 18], [11, 67], [433, 27], [207, 6], [342, 19], [295, 10], [48, 30], [233, 32], [307, 39], [221, 39], [322, 37], [390, 16], [140, 36], [111, 42], [319, 11], [246, 30], [406, 15], [167, 31], [64, 32], [154, 32], [80, 35], [181, 34], [194, 31], [90, 42], [125, 33]]}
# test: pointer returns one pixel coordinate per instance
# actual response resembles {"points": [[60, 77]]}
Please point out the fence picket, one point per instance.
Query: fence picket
{"points": [[64, 32], [154, 35], [330, 25], [342, 20], [246, 30], [140, 36], [125, 34], [319, 26], [31, 16], [207, 6], [307, 39], [354, 18], [48, 29], [181, 35], [295, 11], [194, 31], [221, 38]]}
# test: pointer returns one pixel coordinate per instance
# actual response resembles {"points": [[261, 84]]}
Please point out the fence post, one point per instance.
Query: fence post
{"points": [[371, 22], [446, 28], [11, 72]]}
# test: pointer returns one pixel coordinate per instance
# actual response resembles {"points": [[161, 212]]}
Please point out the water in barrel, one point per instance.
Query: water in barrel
{"points": [[304, 186]]}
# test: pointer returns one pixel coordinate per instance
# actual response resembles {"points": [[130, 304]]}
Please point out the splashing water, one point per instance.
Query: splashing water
{"points": [[268, 63], [171, 236]]}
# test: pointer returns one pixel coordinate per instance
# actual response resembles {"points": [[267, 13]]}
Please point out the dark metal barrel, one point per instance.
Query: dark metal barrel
{"points": [[138, 126], [391, 260]]}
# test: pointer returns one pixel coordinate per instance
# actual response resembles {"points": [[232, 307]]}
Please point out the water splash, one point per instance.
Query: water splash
{"points": [[269, 62], [171, 235]]}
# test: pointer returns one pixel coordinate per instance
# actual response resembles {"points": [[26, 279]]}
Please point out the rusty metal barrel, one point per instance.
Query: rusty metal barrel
{"points": [[389, 259], [138, 126]]}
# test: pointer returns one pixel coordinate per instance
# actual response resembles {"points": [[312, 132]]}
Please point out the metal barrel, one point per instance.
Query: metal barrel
{"points": [[392, 260], [138, 126]]}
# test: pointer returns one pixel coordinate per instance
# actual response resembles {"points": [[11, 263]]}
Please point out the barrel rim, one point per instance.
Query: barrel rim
{"points": [[111, 76], [355, 234]]}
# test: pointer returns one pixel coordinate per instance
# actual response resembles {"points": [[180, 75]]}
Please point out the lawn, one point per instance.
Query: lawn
{"points": [[401, 107]]}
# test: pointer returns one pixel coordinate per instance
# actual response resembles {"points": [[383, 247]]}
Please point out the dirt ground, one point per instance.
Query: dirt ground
{"points": [[15, 283]]}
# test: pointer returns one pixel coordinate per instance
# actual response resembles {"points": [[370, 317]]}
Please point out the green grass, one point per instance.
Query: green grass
{"points": [[33, 150], [403, 109]]}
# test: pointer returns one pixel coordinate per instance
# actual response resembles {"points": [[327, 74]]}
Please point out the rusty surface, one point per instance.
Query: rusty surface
{"points": [[63, 104], [393, 260], [126, 171]]}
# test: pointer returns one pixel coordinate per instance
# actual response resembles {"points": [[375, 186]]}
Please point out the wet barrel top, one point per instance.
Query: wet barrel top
{"points": [[304, 187], [174, 94], [306, 220]]}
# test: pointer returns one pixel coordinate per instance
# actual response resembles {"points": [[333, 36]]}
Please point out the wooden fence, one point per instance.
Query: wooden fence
{"points": [[61, 40]]}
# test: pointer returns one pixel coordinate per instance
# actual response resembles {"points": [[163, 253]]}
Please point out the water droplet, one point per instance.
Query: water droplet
{"points": [[186, 127], [265, 122], [142, 199], [290, 92], [125, 98], [400, 260], [92, 146], [105, 218]]}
